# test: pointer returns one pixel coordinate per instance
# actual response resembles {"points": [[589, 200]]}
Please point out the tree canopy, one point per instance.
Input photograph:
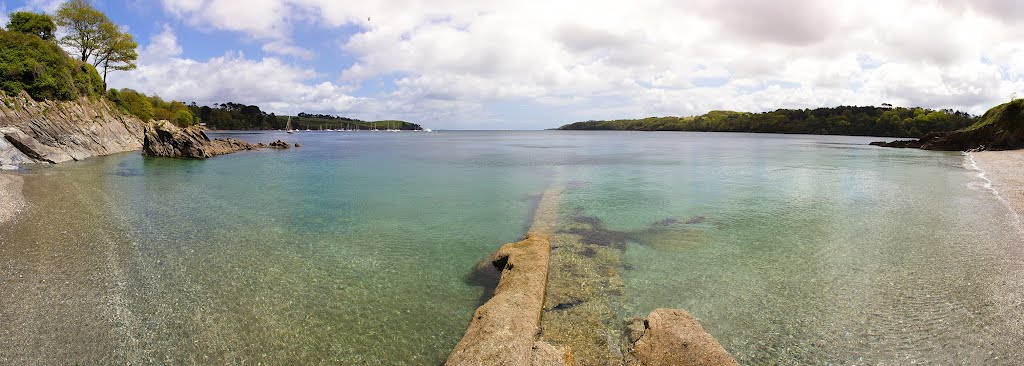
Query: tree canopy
{"points": [[95, 38], [84, 25], [43, 69], [842, 120], [39, 25], [238, 116], [116, 52], [152, 107]]}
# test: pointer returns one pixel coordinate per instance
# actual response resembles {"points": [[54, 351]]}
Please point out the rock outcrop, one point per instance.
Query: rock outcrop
{"points": [[61, 131], [1001, 128], [671, 337], [163, 138]]}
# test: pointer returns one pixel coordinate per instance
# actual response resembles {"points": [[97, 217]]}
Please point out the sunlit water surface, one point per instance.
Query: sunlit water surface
{"points": [[354, 248]]}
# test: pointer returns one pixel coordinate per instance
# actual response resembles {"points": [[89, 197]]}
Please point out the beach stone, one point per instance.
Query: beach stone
{"points": [[673, 337]]}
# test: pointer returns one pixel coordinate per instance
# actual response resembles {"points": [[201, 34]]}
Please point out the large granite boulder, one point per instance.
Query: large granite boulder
{"points": [[673, 337]]}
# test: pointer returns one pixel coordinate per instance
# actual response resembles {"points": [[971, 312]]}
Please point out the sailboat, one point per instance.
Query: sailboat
{"points": [[288, 127]]}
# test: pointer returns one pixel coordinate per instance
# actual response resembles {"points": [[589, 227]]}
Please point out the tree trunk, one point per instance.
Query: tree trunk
{"points": [[105, 65]]}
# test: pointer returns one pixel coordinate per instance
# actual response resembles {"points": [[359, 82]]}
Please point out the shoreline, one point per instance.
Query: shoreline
{"points": [[11, 199], [1003, 172]]}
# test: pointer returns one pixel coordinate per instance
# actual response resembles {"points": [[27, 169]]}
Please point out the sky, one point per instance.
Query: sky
{"points": [[535, 64]]}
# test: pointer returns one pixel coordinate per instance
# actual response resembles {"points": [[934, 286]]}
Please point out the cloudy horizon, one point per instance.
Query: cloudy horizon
{"points": [[533, 64]]}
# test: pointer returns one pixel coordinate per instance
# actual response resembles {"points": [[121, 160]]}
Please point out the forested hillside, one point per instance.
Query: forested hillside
{"points": [[842, 120]]}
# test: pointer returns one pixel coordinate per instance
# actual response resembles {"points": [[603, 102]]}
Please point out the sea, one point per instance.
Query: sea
{"points": [[358, 247]]}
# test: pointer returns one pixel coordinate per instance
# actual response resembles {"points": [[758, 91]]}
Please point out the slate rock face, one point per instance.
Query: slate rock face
{"points": [[61, 131]]}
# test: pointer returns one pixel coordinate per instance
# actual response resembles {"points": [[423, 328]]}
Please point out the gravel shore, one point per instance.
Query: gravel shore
{"points": [[1005, 171], [11, 200]]}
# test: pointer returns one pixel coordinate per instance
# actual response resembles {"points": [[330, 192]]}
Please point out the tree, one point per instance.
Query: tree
{"points": [[85, 26], [40, 25], [116, 51]]}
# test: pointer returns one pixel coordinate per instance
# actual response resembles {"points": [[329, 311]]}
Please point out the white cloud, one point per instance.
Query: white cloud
{"points": [[47, 6], [284, 48], [3, 15], [270, 83], [162, 46], [452, 59]]}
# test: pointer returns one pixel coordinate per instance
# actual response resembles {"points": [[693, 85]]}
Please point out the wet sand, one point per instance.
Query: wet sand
{"points": [[11, 199], [1005, 171]]}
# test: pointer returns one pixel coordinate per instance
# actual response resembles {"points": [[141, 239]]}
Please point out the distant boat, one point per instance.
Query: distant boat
{"points": [[288, 127], [427, 130]]}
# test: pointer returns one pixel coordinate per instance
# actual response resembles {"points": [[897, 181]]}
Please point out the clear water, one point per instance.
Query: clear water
{"points": [[354, 249]]}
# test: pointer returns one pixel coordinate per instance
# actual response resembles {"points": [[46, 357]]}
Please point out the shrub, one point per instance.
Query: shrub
{"points": [[43, 69]]}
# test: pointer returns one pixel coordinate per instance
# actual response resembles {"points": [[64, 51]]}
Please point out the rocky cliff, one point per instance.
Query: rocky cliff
{"points": [[163, 138], [60, 131], [1001, 128]]}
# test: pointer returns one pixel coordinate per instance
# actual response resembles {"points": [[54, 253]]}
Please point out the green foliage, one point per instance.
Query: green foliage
{"points": [[96, 38], [43, 69], [316, 121], [236, 116], [1005, 116], [133, 102], [87, 27], [39, 25], [152, 108], [116, 52], [184, 118], [843, 120]]}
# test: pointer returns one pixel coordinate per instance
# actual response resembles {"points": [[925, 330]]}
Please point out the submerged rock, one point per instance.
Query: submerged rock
{"points": [[673, 337], [163, 138], [277, 145]]}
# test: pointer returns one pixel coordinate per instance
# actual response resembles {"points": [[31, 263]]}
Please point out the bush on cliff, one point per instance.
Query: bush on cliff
{"points": [[152, 108], [40, 25], [43, 69]]}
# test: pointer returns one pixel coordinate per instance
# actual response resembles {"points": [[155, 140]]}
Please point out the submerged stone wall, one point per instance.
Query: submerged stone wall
{"points": [[556, 308], [504, 330]]}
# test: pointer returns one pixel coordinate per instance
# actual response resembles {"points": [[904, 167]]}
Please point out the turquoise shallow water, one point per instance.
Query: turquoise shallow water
{"points": [[355, 247]]}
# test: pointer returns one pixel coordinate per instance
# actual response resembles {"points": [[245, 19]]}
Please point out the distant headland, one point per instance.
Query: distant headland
{"points": [[886, 121]]}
